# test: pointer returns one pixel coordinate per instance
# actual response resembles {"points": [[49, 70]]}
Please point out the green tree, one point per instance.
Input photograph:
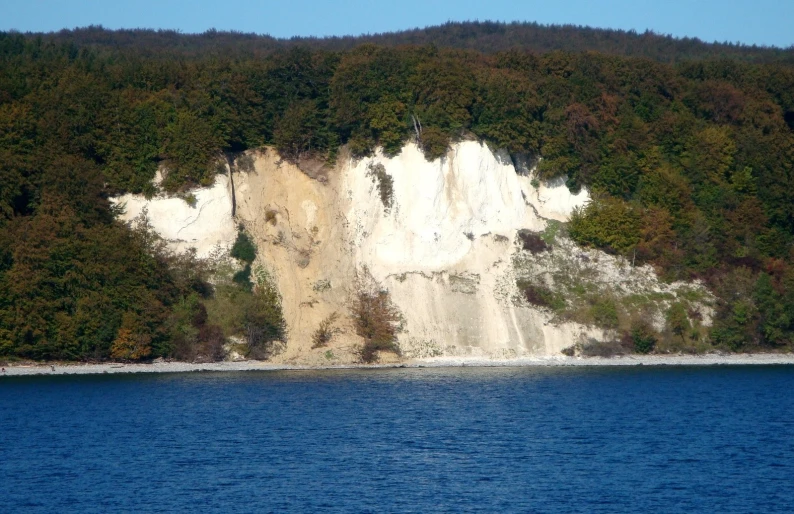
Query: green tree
{"points": [[190, 149], [643, 336], [775, 325], [244, 248], [677, 320], [607, 223]]}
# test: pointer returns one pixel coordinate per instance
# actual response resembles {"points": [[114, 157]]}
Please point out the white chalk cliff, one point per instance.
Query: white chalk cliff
{"points": [[204, 225], [444, 247], [443, 250]]}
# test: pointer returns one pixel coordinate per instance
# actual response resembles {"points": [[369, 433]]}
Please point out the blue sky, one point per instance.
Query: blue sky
{"points": [[763, 22]]}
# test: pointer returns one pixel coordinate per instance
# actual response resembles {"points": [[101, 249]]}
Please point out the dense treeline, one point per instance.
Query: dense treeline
{"points": [[486, 36], [691, 164]]}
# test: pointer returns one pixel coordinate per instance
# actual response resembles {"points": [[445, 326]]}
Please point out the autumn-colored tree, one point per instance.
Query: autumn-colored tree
{"points": [[376, 318], [130, 344], [688, 147]]}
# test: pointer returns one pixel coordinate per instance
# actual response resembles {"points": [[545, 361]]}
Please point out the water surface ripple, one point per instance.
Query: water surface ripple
{"points": [[684, 439]]}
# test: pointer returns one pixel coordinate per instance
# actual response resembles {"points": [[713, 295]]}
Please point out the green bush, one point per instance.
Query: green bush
{"points": [[677, 320], [247, 304], [605, 313], [607, 223], [643, 336], [263, 322], [244, 248], [193, 339], [243, 278], [190, 199]]}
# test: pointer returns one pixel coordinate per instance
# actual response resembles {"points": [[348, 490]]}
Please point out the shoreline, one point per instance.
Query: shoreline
{"points": [[753, 359]]}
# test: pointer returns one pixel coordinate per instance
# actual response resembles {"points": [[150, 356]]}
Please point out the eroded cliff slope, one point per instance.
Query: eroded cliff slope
{"points": [[440, 236]]}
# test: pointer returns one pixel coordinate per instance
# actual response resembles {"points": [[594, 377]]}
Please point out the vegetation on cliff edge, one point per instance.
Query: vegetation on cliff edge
{"points": [[691, 161]]}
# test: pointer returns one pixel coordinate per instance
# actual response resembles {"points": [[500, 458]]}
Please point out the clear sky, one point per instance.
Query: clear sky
{"points": [[762, 22]]}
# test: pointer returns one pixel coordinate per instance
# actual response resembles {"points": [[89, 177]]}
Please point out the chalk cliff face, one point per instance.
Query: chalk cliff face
{"points": [[439, 236], [444, 250], [204, 225]]}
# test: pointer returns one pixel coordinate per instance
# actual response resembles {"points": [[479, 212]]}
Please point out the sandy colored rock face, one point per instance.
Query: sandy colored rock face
{"points": [[441, 243], [439, 236], [301, 234]]}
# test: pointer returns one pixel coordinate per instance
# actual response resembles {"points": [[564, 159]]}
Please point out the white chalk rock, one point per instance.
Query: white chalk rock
{"points": [[203, 226]]}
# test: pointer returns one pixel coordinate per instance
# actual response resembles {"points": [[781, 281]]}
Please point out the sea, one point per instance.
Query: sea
{"points": [[716, 439]]}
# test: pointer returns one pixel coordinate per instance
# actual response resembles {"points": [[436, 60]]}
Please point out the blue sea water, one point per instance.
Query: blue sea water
{"points": [[677, 439]]}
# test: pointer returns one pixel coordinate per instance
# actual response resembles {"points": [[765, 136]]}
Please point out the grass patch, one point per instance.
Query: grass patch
{"points": [[553, 229], [604, 312]]}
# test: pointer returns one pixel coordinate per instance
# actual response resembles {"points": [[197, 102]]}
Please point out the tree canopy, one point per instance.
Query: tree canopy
{"points": [[690, 154]]}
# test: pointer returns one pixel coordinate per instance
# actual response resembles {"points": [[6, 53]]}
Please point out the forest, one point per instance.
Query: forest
{"points": [[485, 36], [686, 147]]}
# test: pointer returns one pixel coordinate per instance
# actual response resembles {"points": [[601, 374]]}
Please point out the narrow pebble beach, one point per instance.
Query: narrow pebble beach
{"points": [[183, 367]]}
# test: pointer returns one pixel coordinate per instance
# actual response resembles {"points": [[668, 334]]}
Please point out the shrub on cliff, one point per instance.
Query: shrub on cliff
{"points": [[605, 313], [540, 295], [643, 337], [326, 331], [532, 242], [247, 307], [385, 183], [263, 319], [243, 278], [677, 320], [193, 338], [244, 248], [376, 318]]}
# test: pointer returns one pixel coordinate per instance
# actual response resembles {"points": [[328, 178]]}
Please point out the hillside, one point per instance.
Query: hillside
{"points": [[486, 36], [688, 157]]}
